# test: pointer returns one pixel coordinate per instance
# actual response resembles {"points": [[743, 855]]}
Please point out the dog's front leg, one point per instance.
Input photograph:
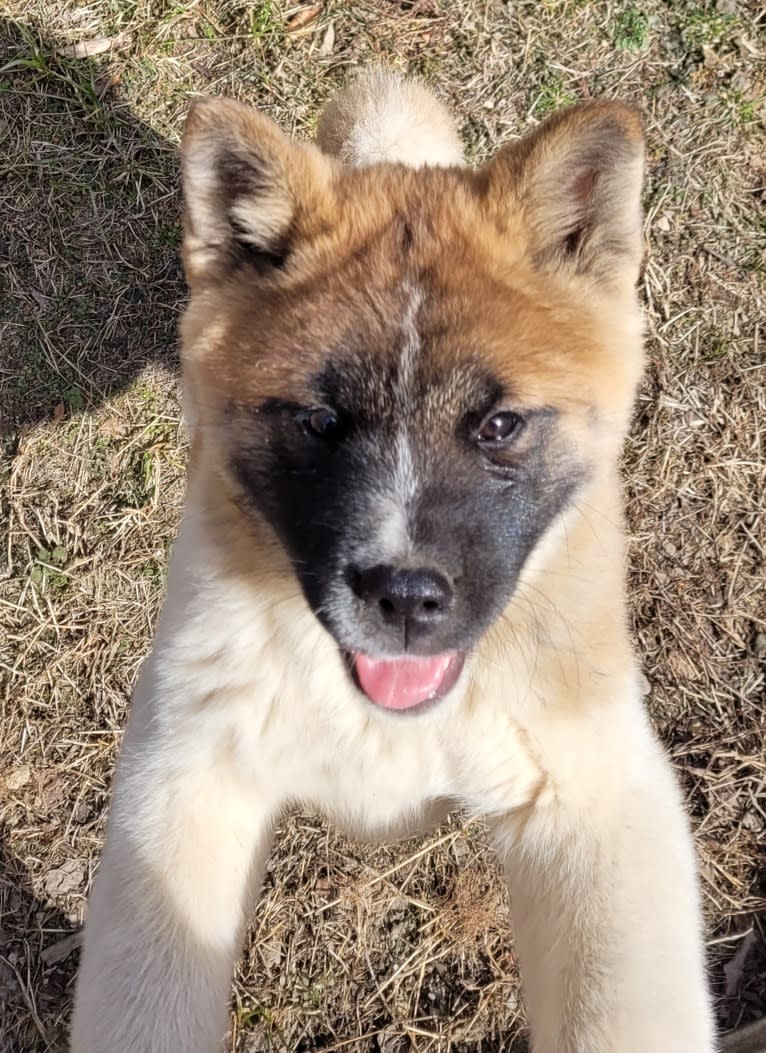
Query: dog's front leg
{"points": [[184, 853], [604, 899]]}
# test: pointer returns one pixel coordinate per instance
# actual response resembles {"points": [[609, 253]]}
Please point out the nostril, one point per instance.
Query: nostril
{"points": [[418, 598]]}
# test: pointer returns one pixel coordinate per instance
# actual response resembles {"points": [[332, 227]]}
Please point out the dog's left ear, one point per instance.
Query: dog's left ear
{"points": [[249, 191], [576, 183]]}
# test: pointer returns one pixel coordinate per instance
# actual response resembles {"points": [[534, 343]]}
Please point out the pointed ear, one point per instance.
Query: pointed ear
{"points": [[577, 182], [248, 190]]}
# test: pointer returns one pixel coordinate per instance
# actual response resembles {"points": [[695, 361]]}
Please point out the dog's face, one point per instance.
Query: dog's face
{"points": [[407, 376]]}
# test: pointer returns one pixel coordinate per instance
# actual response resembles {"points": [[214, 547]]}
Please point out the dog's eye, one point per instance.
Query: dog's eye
{"points": [[499, 428], [322, 423]]}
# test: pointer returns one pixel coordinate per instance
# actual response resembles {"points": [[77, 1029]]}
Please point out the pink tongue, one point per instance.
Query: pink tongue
{"points": [[398, 683]]}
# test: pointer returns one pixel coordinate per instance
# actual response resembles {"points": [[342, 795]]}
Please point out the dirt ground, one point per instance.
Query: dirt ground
{"points": [[357, 947]]}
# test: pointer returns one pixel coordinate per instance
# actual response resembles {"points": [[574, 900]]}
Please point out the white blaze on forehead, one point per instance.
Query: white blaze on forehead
{"points": [[405, 376], [393, 534], [405, 476]]}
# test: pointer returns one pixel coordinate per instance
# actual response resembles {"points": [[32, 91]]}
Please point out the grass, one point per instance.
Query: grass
{"points": [[553, 95], [707, 24], [354, 947], [632, 30]]}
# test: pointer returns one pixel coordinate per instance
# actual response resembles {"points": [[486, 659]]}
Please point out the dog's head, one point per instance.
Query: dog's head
{"points": [[406, 376]]}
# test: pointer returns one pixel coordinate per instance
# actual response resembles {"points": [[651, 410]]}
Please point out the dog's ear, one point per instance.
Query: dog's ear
{"points": [[576, 182], [248, 190]]}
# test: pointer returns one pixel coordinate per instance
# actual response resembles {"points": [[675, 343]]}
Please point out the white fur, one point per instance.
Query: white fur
{"points": [[240, 712], [382, 117], [394, 541]]}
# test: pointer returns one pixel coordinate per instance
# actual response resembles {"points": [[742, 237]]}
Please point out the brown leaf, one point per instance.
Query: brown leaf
{"points": [[272, 953], [95, 46], [113, 428], [57, 952], [328, 41], [66, 878], [105, 84], [304, 17]]}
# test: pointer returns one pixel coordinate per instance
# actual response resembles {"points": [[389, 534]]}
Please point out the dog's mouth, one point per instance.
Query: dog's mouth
{"points": [[406, 682]]}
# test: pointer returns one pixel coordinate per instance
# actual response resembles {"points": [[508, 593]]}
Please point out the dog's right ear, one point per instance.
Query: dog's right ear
{"points": [[247, 189]]}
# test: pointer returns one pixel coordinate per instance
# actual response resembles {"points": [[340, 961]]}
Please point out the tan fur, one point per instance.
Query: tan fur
{"points": [[245, 705]]}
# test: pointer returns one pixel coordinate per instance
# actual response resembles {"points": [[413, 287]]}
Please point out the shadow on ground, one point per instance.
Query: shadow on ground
{"points": [[89, 263], [38, 945], [90, 290]]}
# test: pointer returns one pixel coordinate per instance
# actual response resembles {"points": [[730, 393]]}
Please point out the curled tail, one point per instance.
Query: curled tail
{"points": [[380, 116]]}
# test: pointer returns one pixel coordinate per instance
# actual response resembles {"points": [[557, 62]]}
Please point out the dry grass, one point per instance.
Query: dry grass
{"points": [[353, 947]]}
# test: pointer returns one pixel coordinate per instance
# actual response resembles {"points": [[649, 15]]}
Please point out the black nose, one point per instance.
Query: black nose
{"points": [[411, 601]]}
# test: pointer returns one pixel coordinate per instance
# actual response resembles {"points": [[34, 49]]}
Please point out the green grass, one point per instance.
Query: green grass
{"points": [[46, 571], [706, 25], [631, 31], [552, 95], [743, 108], [263, 20]]}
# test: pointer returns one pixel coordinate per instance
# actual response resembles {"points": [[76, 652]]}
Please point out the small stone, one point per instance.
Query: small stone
{"points": [[759, 645], [741, 81], [752, 821], [19, 777]]}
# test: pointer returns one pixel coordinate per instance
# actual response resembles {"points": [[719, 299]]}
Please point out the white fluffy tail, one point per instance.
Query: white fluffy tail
{"points": [[380, 116]]}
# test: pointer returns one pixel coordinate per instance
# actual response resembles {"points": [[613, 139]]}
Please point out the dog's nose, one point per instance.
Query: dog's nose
{"points": [[412, 601]]}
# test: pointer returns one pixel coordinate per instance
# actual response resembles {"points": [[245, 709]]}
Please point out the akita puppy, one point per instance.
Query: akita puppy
{"points": [[399, 581]]}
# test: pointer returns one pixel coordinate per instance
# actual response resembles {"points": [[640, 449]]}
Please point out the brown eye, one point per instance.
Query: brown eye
{"points": [[499, 428], [321, 422]]}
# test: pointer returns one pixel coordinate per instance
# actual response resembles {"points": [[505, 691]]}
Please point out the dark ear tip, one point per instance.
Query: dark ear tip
{"points": [[199, 115], [213, 111], [630, 116], [624, 117], [202, 106]]}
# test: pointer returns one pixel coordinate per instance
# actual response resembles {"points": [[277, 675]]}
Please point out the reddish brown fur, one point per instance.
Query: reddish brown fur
{"points": [[248, 341], [470, 247]]}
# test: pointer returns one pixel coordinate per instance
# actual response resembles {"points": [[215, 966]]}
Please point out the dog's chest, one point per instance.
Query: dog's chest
{"points": [[377, 774], [279, 707]]}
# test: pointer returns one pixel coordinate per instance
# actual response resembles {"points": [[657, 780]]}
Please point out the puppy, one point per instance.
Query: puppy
{"points": [[399, 580]]}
